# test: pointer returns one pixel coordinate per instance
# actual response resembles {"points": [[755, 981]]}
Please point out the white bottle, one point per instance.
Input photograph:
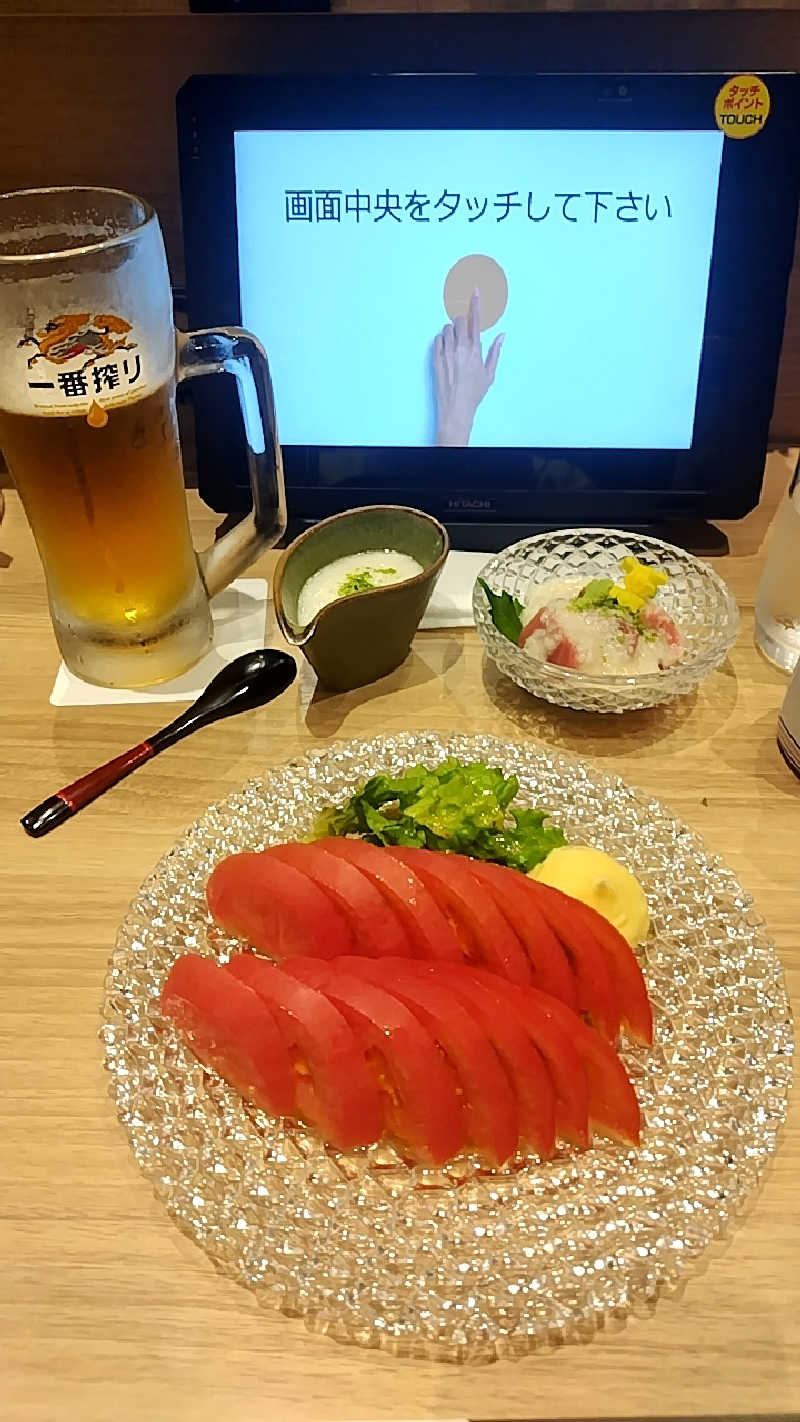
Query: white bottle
{"points": [[778, 594], [789, 724]]}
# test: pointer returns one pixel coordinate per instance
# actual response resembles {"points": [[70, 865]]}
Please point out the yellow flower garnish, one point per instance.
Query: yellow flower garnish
{"points": [[625, 598], [641, 584]]}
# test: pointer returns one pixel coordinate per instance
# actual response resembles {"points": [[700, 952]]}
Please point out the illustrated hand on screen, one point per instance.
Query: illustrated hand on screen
{"points": [[461, 375]]}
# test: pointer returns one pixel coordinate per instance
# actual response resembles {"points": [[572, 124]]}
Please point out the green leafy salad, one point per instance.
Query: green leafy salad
{"points": [[463, 809]]}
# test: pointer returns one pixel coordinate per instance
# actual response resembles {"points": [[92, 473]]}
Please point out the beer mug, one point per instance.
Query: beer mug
{"points": [[89, 359]]}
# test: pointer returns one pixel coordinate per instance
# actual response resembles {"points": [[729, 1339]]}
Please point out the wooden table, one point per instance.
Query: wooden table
{"points": [[108, 1312]]}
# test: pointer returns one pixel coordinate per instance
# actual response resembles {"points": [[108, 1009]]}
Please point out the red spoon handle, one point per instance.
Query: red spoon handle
{"points": [[59, 807], [80, 792]]}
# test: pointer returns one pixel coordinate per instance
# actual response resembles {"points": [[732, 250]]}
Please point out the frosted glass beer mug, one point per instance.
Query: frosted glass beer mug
{"points": [[89, 360]]}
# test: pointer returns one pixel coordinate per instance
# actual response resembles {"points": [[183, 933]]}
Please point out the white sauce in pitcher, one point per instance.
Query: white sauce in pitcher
{"points": [[355, 572]]}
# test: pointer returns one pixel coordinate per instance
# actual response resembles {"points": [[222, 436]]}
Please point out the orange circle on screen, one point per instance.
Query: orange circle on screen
{"points": [[476, 273]]}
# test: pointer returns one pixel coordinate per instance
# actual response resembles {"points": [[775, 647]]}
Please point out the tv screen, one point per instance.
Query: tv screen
{"points": [[577, 261], [545, 298]]}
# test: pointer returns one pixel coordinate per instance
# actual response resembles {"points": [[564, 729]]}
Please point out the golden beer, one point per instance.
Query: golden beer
{"points": [[89, 359], [108, 510]]}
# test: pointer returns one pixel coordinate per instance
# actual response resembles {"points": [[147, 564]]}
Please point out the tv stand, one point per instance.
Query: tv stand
{"points": [[695, 535]]}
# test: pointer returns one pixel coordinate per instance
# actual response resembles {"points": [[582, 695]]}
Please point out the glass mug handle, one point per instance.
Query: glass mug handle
{"points": [[232, 351]]}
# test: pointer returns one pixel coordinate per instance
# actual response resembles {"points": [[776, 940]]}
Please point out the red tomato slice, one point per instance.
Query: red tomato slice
{"points": [[486, 932], [509, 889], [276, 908], [336, 1093], [489, 1105], [626, 975], [596, 989], [421, 1102], [430, 933], [230, 1030], [613, 1107], [555, 1044], [377, 930], [522, 1060]]}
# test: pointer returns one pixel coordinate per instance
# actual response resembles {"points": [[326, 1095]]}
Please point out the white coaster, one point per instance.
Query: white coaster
{"points": [[451, 604], [239, 615]]}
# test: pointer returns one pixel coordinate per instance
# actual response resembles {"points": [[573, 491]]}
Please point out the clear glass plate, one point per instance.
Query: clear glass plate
{"points": [[464, 1264], [695, 597]]}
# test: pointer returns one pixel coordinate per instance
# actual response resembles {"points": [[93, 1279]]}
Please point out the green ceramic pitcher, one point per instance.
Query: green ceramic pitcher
{"points": [[357, 639]]}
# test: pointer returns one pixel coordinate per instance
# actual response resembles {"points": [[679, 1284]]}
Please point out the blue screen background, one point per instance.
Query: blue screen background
{"points": [[604, 322]]}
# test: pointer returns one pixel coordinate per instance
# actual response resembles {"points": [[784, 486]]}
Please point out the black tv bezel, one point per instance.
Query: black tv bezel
{"points": [[719, 477]]}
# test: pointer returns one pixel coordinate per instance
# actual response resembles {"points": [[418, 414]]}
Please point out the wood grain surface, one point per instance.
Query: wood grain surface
{"points": [[107, 1311]]}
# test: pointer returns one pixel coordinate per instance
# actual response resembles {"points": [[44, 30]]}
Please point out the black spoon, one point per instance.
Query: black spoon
{"points": [[249, 681]]}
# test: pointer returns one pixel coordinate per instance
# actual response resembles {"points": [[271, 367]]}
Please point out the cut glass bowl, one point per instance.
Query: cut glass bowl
{"points": [[696, 598]]}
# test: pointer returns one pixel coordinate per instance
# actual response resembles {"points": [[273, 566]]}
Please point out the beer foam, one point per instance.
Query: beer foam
{"points": [[96, 330]]}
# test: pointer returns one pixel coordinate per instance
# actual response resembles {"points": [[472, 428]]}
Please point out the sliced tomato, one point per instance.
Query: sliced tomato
{"points": [[421, 1100], [522, 1060], [549, 963], [489, 1104], [335, 1091], [626, 975], [613, 1107], [276, 908], [556, 1046], [229, 1029], [376, 928], [429, 932], [597, 995], [485, 931]]}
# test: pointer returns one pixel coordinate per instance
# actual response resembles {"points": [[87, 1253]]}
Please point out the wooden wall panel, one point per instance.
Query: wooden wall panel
{"points": [[91, 98], [373, 7]]}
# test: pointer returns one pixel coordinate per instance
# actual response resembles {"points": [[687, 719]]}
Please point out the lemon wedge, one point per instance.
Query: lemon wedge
{"points": [[600, 881]]}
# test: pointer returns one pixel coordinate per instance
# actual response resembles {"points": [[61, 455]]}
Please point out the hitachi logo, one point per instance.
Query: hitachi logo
{"points": [[476, 505]]}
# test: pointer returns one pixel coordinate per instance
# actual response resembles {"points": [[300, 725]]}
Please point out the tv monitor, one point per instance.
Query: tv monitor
{"points": [[508, 301]]}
